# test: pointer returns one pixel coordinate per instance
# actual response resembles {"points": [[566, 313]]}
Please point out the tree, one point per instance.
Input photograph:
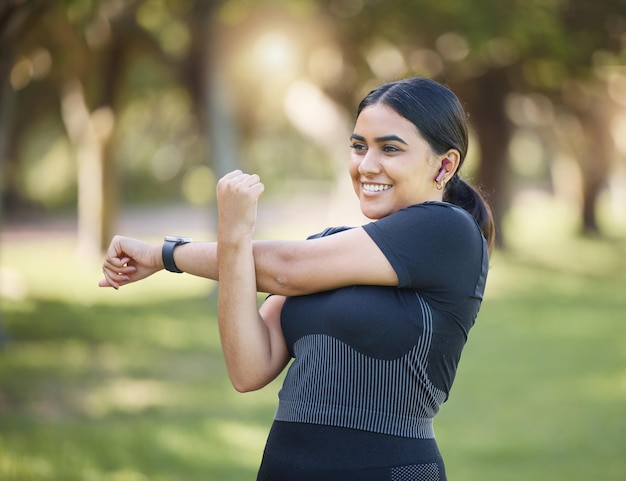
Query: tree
{"points": [[15, 19], [486, 51]]}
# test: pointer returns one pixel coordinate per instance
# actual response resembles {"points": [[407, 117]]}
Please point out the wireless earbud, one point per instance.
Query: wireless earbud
{"points": [[440, 175]]}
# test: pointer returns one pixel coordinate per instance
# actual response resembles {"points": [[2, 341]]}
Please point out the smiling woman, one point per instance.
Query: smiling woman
{"points": [[391, 171], [372, 319]]}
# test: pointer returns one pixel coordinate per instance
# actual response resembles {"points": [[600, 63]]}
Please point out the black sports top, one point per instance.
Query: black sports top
{"points": [[383, 359]]}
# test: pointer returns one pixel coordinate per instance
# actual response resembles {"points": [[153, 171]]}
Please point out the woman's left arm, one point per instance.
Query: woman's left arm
{"points": [[252, 340]]}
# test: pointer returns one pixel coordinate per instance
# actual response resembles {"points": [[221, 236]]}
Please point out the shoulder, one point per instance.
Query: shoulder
{"points": [[429, 244], [428, 219], [439, 210]]}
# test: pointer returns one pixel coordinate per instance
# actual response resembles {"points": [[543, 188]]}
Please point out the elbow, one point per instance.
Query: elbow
{"points": [[287, 284], [244, 380], [278, 274], [245, 385]]}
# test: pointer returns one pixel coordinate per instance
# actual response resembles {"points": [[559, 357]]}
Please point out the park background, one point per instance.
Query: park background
{"points": [[118, 116]]}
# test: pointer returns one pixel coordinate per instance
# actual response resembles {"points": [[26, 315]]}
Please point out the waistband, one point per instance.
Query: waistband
{"points": [[329, 447]]}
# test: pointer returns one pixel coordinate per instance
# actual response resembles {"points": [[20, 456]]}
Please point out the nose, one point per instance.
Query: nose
{"points": [[369, 164]]}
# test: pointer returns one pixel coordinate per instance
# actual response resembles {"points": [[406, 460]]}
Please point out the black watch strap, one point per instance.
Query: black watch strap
{"points": [[169, 244]]}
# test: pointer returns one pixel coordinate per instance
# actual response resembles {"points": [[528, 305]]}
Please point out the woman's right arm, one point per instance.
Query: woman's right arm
{"points": [[130, 260], [282, 267]]}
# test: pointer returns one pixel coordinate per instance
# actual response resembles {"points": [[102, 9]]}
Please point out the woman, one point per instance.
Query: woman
{"points": [[374, 317]]}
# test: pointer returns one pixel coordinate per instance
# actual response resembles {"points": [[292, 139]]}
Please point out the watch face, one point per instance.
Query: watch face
{"points": [[178, 240]]}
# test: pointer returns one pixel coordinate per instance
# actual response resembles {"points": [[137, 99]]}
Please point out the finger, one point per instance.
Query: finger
{"points": [[108, 282], [118, 273], [257, 189], [241, 180], [246, 182], [254, 183], [115, 263], [232, 174], [251, 179], [124, 270], [115, 247], [105, 283]]}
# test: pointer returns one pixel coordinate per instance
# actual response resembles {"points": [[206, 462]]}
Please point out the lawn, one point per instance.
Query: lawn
{"points": [[130, 385]]}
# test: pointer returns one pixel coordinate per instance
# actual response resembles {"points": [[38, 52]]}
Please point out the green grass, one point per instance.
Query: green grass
{"points": [[130, 385]]}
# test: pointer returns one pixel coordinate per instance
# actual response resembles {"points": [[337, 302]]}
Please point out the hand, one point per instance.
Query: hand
{"points": [[129, 260], [237, 200]]}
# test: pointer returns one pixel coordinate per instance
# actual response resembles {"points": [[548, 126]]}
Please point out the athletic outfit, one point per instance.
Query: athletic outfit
{"points": [[373, 364]]}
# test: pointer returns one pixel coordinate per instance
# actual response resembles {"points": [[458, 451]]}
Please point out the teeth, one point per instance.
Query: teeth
{"points": [[375, 187]]}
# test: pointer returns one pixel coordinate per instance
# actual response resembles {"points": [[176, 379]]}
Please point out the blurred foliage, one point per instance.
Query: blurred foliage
{"points": [[342, 46], [540, 66]]}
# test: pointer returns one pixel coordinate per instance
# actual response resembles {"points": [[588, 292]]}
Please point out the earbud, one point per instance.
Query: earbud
{"points": [[440, 175]]}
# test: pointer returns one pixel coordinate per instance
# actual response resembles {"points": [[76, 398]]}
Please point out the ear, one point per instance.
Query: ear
{"points": [[449, 165]]}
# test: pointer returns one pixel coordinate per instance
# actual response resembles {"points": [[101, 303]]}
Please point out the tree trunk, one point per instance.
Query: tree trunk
{"points": [[595, 162], [209, 86], [484, 99], [12, 20], [89, 134], [113, 60]]}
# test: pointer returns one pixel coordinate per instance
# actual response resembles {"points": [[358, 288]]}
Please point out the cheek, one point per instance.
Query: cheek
{"points": [[353, 167]]}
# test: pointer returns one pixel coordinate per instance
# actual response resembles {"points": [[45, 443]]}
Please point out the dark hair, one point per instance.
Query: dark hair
{"points": [[439, 117]]}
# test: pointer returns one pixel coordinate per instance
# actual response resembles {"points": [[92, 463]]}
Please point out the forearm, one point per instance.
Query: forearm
{"points": [[198, 259], [244, 336]]}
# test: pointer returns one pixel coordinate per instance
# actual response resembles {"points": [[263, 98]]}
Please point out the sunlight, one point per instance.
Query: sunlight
{"points": [[51, 172], [617, 87], [386, 60], [426, 62], [21, 74], [128, 395], [12, 285], [274, 54], [453, 46], [167, 162], [526, 154], [618, 129], [326, 65], [198, 185], [314, 113]]}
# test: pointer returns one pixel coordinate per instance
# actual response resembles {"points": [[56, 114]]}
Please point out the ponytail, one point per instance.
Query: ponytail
{"points": [[459, 192]]}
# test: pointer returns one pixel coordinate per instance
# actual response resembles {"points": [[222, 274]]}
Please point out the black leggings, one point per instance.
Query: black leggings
{"points": [[309, 452]]}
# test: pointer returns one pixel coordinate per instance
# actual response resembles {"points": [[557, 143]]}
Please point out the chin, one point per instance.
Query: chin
{"points": [[374, 214]]}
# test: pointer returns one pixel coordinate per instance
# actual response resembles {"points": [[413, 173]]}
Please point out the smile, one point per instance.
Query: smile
{"points": [[375, 187]]}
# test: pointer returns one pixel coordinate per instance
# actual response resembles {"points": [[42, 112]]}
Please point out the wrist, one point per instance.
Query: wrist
{"points": [[157, 256], [170, 243]]}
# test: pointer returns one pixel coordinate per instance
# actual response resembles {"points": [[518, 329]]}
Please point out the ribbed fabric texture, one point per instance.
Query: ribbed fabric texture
{"points": [[331, 383]]}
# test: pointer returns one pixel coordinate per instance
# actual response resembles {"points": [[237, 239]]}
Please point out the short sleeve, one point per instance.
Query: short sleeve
{"points": [[328, 231], [433, 247]]}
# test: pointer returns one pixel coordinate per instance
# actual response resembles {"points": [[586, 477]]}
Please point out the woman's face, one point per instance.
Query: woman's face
{"points": [[391, 165]]}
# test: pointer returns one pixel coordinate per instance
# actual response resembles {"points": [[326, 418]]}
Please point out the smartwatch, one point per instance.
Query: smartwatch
{"points": [[169, 244]]}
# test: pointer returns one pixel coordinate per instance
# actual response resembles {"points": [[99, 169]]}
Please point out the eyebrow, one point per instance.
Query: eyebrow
{"points": [[384, 138]]}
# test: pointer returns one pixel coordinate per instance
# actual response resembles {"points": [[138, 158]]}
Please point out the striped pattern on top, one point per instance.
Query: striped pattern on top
{"points": [[331, 383]]}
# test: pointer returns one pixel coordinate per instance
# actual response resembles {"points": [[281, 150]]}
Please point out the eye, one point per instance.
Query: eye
{"points": [[358, 147], [390, 148]]}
